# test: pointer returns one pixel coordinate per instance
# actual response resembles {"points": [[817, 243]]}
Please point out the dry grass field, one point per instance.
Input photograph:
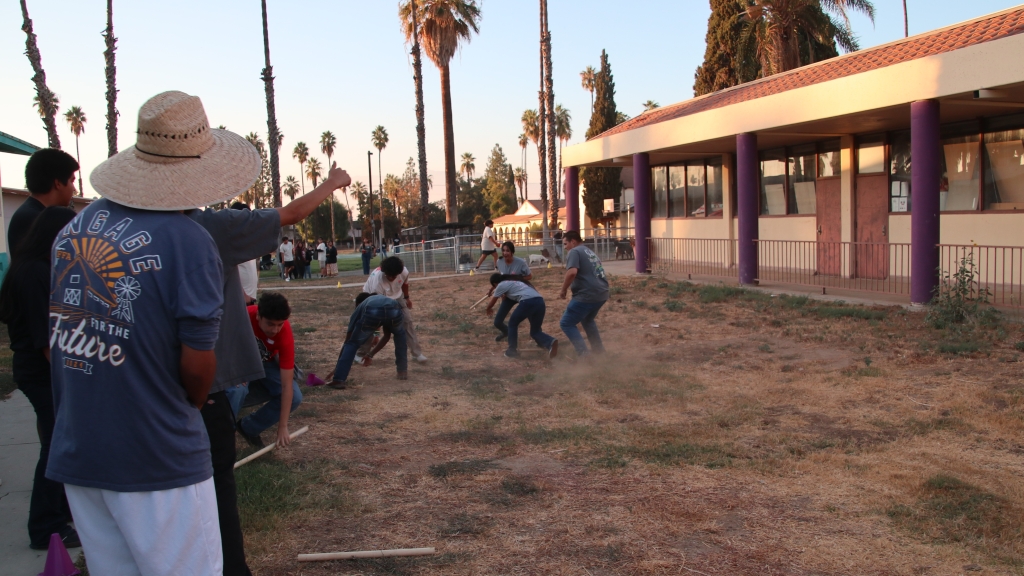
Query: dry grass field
{"points": [[725, 432]]}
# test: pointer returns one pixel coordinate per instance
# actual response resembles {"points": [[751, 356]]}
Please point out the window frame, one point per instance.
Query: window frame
{"points": [[787, 153], [686, 165]]}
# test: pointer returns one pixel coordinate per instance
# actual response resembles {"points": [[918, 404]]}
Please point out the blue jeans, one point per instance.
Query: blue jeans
{"points": [[267, 391], [531, 309], [499, 317], [366, 265], [582, 313], [307, 271], [388, 315]]}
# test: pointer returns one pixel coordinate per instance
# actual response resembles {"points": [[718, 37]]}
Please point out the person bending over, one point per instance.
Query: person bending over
{"points": [[278, 390], [372, 312], [531, 307], [391, 279]]}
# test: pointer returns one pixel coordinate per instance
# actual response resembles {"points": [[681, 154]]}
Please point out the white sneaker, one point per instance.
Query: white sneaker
{"points": [[359, 359], [287, 279], [421, 358]]}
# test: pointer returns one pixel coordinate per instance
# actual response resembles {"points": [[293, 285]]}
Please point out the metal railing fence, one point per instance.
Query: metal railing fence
{"points": [[997, 269], [864, 266], [701, 256]]}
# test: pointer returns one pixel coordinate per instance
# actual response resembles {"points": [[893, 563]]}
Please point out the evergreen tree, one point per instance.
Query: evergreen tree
{"points": [[318, 224], [720, 69], [500, 192], [601, 183]]}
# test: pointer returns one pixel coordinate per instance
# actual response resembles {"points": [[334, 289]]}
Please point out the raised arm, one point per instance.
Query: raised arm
{"points": [[303, 206]]}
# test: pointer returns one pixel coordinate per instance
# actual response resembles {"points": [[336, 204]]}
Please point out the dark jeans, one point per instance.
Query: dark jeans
{"points": [[266, 391], [584, 313], [366, 264], [220, 427], [499, 317], [388, 315], [48, 510], [307, 271], [531, 309]]}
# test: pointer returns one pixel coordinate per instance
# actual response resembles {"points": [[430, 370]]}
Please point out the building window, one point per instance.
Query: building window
{"points": [[695, 189], [677, 191], [1004, 170], [802, 165], [659, 188], [960, 184], [713, 169], [829, 165], [899, 171], [773, 183]]}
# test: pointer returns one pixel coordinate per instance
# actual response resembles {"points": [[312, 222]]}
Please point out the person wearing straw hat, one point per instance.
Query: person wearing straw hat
{"points": [[135, 308], [241, 237]]}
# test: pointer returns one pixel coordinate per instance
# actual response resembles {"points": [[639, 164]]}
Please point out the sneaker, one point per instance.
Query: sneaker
{"points": [[500, 337], [287, 279], [338, 384], [254, 441], [511, 354], [553, 350], [421, 358], [68, 536], [359, 359]]}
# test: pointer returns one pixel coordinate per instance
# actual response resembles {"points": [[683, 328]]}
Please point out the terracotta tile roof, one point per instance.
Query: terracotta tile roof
{"points": [[985, 29]]}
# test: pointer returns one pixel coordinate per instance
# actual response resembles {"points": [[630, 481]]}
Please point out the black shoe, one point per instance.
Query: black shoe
{"points": [[254, 441], [68, 536], [511, 354], [338, 384], [553, 350], [500, 337]]}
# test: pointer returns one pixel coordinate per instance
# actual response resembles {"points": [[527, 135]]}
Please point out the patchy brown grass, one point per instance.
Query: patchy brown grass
{"points": [[745, 434]]}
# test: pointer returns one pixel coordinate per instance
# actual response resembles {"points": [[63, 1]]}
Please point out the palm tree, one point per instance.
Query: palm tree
{"points": [[41, 109], [467, 167], [409, 14], [47, 101], [291, 187], [533, 129], [650, 105], [76, 120], [273, 136], [379, 139], [773, 29], [301, 153], [520, 178], [589, 79], [327, 144], [906, 25], [563, 130], [549, 107], [524, 141], [359, 191], [445, 24], [313, 170], [110, 70]]}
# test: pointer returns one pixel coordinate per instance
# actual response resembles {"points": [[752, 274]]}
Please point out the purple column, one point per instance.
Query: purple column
{"points": [[642, 209], [925, 151], [572, 198], [746, 210]]}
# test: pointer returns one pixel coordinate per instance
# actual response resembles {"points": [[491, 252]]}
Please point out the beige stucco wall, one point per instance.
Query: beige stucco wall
{"points": [[788, 228], [713, 228], [987, 229]]}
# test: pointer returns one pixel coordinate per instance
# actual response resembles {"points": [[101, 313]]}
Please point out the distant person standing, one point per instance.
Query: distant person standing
{"points": [[321, 255], [585, 274], [50, 179], [366, 252], [332, 259], [286, 252], [488, 245], [396, 242]]}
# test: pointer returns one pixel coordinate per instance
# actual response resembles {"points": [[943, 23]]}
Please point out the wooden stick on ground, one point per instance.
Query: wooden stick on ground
{"points": [[367, 554], [486, 296], [266, 449]]}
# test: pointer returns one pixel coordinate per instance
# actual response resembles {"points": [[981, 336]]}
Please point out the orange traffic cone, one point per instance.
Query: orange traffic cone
{"points": [[58, 561]]}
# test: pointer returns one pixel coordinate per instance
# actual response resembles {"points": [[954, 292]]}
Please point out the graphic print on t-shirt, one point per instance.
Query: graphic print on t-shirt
{"points": [[96, 275]]}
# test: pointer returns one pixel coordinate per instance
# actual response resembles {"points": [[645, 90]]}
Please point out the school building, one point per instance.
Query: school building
{"points": [[877, 170]]}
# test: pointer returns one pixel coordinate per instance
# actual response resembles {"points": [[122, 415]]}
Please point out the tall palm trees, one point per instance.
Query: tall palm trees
{"points": [[563, 130], [467, 167], [549, 93], [409, 14], [110, 71], [524, 141], [47, 101], [290, 187], [533, 130], [313, 170], [379, 138], [520, 178], [327, 144], [774, 28], [273, 137], [589, 81], [445, 24], [76, 120], [301, 153]]}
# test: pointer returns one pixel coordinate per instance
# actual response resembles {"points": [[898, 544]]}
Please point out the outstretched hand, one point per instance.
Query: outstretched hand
{"points": [[283, 438], [338, 177]]}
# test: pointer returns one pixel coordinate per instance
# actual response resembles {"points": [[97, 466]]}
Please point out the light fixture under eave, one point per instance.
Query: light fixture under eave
{"points": [[988, 93], [622, 160]]}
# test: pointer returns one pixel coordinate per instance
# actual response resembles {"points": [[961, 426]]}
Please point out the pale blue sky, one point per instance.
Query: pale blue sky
{"points": [[343, 66]]}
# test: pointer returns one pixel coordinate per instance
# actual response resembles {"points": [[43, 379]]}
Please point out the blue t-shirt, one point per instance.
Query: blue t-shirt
{"points": [[129, 288]]}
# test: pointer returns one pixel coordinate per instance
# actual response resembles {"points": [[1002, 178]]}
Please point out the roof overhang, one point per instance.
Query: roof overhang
{"points": [[12, 145], [872, 101]]}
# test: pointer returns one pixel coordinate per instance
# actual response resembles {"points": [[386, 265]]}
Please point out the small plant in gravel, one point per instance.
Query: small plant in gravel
{"points": [[959, 296]]}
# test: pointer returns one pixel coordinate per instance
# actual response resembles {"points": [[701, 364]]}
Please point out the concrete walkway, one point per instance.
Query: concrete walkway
{"points": [[19, 451]]}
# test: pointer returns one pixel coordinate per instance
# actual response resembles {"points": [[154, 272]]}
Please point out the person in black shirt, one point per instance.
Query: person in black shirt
{"points": [[25, 308], [332, 259], [50, 179]]}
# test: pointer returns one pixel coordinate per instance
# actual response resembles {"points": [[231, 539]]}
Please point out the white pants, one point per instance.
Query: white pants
{"points": [[170, 532]]}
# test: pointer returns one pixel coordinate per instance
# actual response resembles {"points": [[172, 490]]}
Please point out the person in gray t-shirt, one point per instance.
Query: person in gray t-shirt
{"points": [[585, 274], [509, 265], [531, 307]]}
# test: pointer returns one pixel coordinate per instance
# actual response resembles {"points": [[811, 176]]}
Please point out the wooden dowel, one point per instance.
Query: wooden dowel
{"points": [[367, 554], [479, 301], [266, 449]]}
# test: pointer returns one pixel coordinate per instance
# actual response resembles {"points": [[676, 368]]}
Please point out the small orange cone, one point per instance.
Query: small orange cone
{"points": [[339, 284], [549, 264], [58, 561]]}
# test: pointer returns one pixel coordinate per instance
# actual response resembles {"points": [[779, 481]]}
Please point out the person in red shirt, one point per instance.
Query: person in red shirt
{"points": [[277, 391]]}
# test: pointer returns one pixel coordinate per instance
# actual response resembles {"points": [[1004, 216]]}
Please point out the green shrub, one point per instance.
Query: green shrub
{"points": [[959, 296]]}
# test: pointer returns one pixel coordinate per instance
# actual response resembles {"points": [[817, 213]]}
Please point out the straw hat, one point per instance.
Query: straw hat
{"points": [[178, 161]]}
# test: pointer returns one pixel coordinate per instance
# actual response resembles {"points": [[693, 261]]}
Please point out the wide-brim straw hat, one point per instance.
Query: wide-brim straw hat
{"points": [[178, 162]]}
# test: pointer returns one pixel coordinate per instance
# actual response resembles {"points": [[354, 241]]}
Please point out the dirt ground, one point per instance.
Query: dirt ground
{"points": [[724, 432]]}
